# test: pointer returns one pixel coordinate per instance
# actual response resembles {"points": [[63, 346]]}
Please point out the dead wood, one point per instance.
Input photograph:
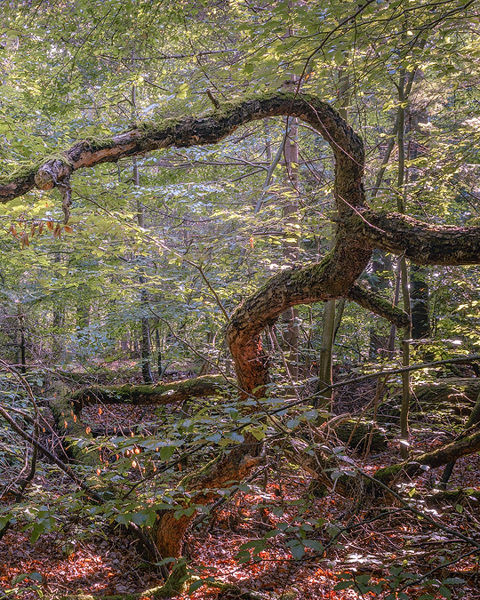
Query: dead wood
{"points": [[168, 393]]}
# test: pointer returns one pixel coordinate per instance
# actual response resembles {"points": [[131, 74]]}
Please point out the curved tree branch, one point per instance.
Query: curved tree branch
{"points": [[332, 278], [188, 131], [359, 231], [423, 243], [378, 305]]}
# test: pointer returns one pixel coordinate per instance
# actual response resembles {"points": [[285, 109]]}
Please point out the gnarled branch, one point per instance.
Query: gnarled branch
{"points": [[378, 305], [423, 243]]}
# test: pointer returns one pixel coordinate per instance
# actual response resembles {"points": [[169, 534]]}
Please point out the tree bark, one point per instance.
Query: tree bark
{"points": [[423, 243]]}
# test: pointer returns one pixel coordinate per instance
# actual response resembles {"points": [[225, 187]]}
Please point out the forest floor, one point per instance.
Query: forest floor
{"points": [[381, 547], [74, 560]]}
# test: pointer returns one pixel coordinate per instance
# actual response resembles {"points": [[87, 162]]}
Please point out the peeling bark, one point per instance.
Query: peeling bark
{"points": [[332, 278], [202, 488]]}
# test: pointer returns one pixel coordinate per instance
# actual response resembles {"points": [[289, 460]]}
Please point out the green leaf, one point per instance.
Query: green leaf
{"points": [[446, 593], [314, 545], [166, 452], [296, 548], [195, 585], [124, 518], [37, 531], [338, 57], [344, 585]]}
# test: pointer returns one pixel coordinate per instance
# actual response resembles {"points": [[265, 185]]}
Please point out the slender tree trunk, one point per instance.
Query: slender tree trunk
{"points": [[83, 317], [290, 246], [396, 300], [22, 342], [419, 298], [405, 408], [145, 342], [58, 322], [419, 292], [325, 376], [158, 343], [381, 266], [331, 323]]}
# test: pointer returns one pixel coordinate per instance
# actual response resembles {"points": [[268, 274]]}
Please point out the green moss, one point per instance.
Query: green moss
{"points": [[69, 423], [93, 144], [57, 156], [29, 169], [21, 172], [386, 474], [172, 587], [153, 125], [358, 433], [225, 110], [228, 106]]}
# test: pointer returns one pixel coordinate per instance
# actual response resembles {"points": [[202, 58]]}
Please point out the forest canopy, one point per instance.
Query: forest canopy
{"points": [[240, 250]]}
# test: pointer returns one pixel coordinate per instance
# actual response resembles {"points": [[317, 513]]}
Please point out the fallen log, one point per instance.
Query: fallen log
{"points": [[168, 393], [458, 393], [467, 443]]}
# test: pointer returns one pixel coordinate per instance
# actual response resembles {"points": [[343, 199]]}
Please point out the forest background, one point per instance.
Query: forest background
{"points": [[183, 209]]}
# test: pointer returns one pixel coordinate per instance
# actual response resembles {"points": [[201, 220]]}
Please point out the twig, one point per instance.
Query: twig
{"points": [[65, 468]]}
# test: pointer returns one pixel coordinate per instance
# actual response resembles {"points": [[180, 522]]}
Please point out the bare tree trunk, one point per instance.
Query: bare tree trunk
{"points": [[419, 292], [22, 342], [405, 408], [330, 323], [325, 377], [290, 246], [58, 322], [145, 343]]}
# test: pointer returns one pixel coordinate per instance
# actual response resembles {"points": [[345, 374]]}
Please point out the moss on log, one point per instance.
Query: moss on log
{"points": [[169, 393], [70, 425], [357, 434], [168, 590], [455, 392]]}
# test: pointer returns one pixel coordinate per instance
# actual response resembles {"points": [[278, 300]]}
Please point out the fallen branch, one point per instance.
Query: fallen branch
{"points": [[169, 393], [467, 444], [65, 468]]}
